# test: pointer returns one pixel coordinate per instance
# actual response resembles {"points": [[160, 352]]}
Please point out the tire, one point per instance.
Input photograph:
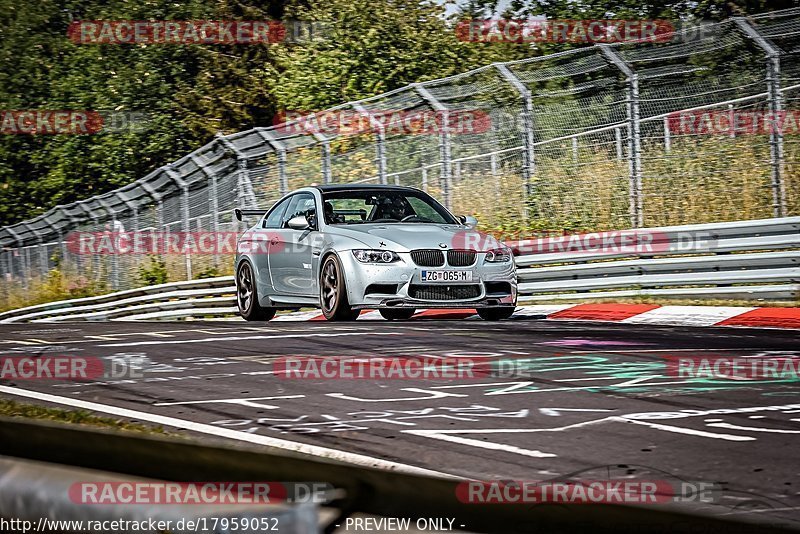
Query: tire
{"points": [[397, 314], [496, 314], [333, 292], [247, 296]]}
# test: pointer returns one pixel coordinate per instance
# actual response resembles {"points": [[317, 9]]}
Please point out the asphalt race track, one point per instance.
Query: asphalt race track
{"points": [[595, 398]]}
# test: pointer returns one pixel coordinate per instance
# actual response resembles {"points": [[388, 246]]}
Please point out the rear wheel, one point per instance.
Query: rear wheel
{"points": [[247, 296], [333, 292], [496, 314], [397, 314]]}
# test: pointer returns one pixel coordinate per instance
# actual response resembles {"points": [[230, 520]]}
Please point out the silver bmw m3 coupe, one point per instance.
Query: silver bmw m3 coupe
{"points": [[347, 248]]}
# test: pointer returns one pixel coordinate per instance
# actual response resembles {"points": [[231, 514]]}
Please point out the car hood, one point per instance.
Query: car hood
{"points": [[401, 237]]}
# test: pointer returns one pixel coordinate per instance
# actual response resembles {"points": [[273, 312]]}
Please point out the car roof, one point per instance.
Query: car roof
{"points": [[328, 188]]}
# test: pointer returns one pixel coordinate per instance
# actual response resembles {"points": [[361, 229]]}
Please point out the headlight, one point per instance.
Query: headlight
{"points": [[375, 256], [498, 255]]}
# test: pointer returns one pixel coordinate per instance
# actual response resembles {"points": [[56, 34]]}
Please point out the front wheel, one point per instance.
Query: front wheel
{"points": [[247, 296], [496, 314], [333, 292], [398, 314]]}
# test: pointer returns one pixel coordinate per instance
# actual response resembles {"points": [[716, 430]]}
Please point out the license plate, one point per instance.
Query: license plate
{"points": [[447, 276]]}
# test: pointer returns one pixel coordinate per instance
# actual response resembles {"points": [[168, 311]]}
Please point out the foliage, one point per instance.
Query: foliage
{"points": [[190, 92], [154, 272]]}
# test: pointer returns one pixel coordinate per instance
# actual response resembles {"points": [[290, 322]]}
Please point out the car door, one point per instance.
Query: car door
{"points": [[265, 232], [290, 251]]}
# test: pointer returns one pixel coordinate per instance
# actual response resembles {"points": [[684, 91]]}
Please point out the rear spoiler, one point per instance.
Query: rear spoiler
{"points": [[247, 213]]}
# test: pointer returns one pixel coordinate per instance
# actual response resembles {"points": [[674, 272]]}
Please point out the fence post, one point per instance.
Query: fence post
{"points": [[445, 159], [183, 185], [157, 197], [635, 209], [115, 241], [245, 194], [19, 241], [280, 148], [325, 145], [528, 156], [213, 198], [667, 138], [134, 208], [91, 216], [773, 57], [380, 142]]}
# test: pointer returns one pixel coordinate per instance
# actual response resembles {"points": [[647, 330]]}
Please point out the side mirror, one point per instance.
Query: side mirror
{"points": [[298, 223], [468, 220]]}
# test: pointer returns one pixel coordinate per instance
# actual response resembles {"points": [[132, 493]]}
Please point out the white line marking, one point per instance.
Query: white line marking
{"points": [[689, 431], [483, 444], [555, 412], [244, 402], [313, 450], [730, 426], [243, 338]]}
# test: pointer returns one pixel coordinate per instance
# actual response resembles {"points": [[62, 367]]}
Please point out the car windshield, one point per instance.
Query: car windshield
{"points": [[383, 206]]}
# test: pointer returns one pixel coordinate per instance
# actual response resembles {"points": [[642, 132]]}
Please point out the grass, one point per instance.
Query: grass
{"points": [[14, 409]]}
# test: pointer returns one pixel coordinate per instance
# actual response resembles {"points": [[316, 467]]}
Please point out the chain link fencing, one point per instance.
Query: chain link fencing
{"points": [[596, 138]]}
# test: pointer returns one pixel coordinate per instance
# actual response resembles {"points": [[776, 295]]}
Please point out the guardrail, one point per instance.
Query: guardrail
{"points": [[748, 260], [215, 296], [753, 260], [42, 498], [358, 488]]}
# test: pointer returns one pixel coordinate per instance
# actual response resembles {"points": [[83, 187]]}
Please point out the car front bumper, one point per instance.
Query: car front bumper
{"points": [[496, 284]]}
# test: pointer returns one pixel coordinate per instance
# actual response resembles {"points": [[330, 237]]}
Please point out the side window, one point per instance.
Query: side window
{"points": [[301, 204], [273, 220]]}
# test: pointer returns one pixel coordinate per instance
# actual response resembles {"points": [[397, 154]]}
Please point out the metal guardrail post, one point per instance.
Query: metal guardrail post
{"points": [[325, 145], [280, 148], [132, 206], [29, 267], [775, 109], [184, 187], [380, 142], [91, 215], [446, 177], [62, 237], [20, 243], [213, 198], [635, 207], [528, 156], [114, 253], [245, 194]]}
